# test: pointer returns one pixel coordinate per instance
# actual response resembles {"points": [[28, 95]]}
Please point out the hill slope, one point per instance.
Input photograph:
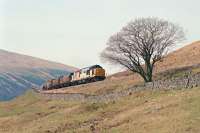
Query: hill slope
{"points": [[20, 72], [184, 57], [162, 111], [142, 112]]}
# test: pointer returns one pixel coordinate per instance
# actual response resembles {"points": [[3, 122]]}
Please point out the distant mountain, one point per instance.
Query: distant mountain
{"points": [[20, 72]]}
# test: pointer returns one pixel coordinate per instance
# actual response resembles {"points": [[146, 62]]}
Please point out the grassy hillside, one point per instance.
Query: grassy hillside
{"points": [[113, 84], [162, 111], [182, 58], [146, 111], [186, 56]]}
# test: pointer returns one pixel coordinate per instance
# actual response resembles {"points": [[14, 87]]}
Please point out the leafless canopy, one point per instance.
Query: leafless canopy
{"points": [[140, 44]]}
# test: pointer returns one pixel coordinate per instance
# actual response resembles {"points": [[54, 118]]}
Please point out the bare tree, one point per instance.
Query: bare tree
{"points": [[140, 44]]}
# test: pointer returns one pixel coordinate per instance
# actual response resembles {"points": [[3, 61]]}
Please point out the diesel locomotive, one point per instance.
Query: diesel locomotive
{"points": [[86, 75]]}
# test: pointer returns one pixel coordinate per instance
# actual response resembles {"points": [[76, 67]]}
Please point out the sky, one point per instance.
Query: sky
{"points": [[74, 32]]}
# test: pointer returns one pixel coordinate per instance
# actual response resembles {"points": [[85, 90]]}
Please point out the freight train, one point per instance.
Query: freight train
{"points": [[86, 75]]}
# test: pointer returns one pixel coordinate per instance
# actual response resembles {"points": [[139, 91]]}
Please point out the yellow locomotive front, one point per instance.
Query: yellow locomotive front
{"points": [[88, 74], [99, 73]]}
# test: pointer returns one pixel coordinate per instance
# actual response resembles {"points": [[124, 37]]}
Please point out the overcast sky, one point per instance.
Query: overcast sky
{"points": [[74, 32]]}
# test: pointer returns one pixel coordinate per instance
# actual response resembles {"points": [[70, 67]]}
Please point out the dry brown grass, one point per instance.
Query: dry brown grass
{"points": [[186, 56], [146, 111]]}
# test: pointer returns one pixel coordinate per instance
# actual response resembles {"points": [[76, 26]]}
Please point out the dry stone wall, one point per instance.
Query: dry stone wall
{"points": [[175, 83]]}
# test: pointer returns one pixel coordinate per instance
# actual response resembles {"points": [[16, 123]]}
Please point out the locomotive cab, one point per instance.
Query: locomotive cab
{"points": [[97, 72], [89, 74]]}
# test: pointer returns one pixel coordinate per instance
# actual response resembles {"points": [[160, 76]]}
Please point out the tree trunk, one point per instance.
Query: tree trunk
{"points": [[147, 77], [148, 72], [149, 69]]}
